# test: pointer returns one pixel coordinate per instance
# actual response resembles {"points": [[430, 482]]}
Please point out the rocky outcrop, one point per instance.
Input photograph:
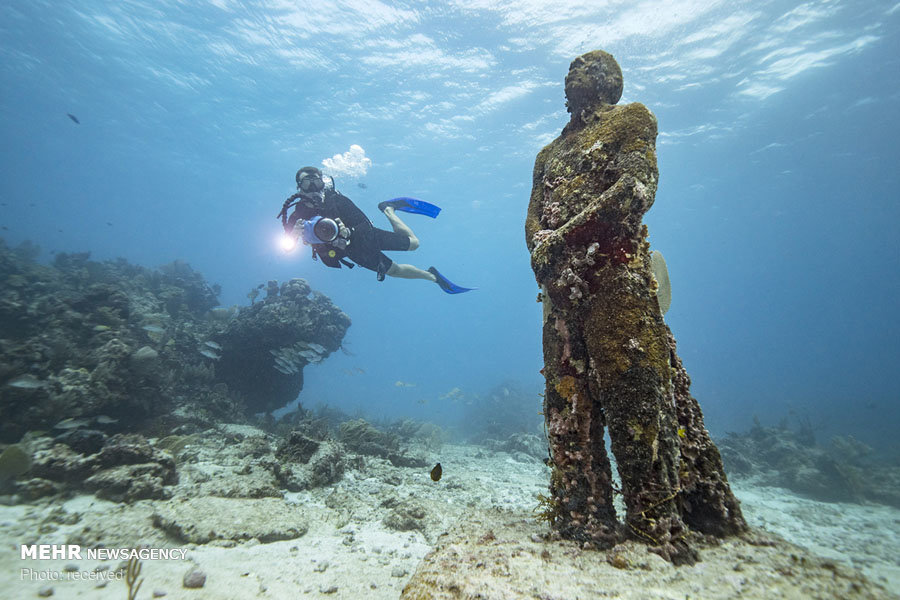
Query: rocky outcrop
{"points": [[202, 520], [610, 362], [267, 345], [126, 468], [363, 438]]}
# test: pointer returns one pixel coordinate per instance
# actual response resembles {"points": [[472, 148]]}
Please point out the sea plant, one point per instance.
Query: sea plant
{"points": [[132, 572]]}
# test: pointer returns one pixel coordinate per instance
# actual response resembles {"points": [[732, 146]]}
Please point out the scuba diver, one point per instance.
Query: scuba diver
{"points": [[341, 234]]}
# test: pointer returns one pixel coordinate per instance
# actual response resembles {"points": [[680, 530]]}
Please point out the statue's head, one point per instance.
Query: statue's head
{"points": [[594, 79]]}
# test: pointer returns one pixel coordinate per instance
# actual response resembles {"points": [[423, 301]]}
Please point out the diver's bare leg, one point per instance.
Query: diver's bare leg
{"points": [[401, 227], [409, 272]]}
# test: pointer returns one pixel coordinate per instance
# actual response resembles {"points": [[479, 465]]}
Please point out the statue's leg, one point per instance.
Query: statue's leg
{"points": [[627, 343], [580, 504], [707, 502]]}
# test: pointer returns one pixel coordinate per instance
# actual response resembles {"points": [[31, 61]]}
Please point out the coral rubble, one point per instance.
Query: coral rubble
{"points": [[610, 361]]}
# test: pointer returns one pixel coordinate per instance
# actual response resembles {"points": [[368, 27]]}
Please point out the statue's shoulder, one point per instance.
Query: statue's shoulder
{"points": [[548, 150], [635, 119]]}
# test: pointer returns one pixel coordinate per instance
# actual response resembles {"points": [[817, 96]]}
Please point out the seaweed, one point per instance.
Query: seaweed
{"points": [[132, 572]]}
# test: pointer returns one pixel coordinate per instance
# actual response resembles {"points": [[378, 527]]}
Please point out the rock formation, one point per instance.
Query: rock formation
{"points": [[267, 345], [610, 360]]}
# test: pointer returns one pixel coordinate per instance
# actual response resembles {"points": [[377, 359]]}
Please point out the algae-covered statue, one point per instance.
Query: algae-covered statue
{"points": [[610, 359]]}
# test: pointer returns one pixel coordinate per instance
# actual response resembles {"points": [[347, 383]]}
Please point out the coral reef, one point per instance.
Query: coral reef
{"points": [[227, 461], [845, 470], [306, 463], [118, 347], [126, 468], [361, 437], [290, 328], [610, 363]]}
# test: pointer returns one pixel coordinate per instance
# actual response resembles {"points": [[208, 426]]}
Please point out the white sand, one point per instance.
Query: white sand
{"points": [[349, 553]]}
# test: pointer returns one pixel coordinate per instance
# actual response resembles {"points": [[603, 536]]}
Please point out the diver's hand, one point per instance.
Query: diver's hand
{"points": [[290, 238]]}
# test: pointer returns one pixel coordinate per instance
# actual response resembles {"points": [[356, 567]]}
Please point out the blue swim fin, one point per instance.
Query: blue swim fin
{"points": [[447, 285], [413, 206]]}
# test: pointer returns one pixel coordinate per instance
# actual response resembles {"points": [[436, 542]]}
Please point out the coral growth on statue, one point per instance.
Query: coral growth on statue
{"points": [[610, 361]]}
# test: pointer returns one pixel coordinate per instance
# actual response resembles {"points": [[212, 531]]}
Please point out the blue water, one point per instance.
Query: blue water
{"points": [[777, 206]]}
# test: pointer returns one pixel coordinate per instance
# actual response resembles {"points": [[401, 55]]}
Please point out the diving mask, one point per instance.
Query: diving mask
{"points": [[309, 180]]}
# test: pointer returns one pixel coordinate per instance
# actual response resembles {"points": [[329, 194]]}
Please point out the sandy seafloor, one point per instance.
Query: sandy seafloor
{"points": [[476, 538]]}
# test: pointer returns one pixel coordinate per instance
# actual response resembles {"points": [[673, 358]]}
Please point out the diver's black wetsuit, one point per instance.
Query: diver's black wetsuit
{"points": [[366, 241]]}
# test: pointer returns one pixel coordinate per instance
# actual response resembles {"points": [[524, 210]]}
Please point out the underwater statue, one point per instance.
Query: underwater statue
{"points": [[610, 360]]}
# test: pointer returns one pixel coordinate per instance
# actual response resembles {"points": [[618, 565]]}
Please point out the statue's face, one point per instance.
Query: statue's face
{"points": [[594, 78]]}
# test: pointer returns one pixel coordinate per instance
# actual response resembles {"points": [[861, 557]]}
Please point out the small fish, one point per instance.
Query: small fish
{"points": [[212, 345], [71, 424], [16, 461], [210, 354], [74, 118], [403, 384], [286, 368], [26, 382], [436, 472], [104, 420], [5, 228], [316, 348], [682, 433], [362, 185], [453, 394], [360, 370], [109, 223], [222, 313], [422, 401], [153, 329]]}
